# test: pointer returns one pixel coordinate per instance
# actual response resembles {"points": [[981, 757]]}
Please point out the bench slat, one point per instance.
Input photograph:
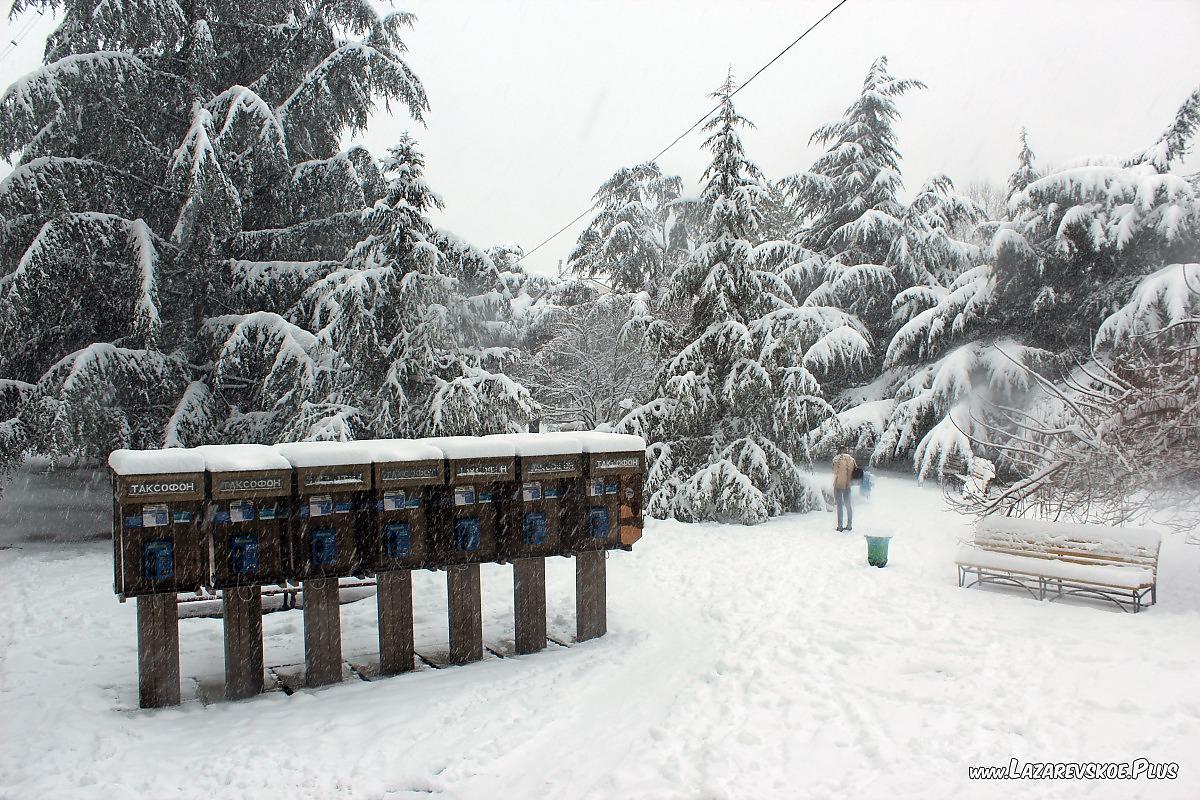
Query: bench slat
{"points": [[1109, 576], [1067, 554]]}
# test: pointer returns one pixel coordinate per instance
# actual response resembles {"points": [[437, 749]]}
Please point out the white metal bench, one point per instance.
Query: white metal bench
{"points": [[1057, 559]]}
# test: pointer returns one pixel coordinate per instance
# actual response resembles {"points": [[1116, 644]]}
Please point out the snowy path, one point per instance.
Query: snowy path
{"points": [[755, 663]]}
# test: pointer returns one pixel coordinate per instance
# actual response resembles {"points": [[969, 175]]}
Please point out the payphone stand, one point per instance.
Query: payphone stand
{"points": [[532, 522], [603, 513], [463, 530], [159, 550], [248, 488], [331, 479], [397, 539]]}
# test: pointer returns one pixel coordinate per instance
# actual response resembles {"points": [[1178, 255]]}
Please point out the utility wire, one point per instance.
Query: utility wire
{"points": [[15, 42], [693, 126]]}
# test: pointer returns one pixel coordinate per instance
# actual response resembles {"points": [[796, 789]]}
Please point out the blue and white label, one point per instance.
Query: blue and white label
{"points": [[393, 501], [155, 516], [241, 511], [320, 505]]}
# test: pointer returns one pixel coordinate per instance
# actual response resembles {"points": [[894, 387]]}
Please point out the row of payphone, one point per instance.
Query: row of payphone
{"points": [[225, 516]]}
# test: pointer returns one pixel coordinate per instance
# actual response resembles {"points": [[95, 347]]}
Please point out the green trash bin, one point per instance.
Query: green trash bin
{"points": [[877, 550]]}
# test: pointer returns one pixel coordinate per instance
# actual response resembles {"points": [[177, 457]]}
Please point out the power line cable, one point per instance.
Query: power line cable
{"points": [[16, 41], [693, 126]]}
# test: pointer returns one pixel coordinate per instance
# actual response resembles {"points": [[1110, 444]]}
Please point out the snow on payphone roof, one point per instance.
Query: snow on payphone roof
{"points": [[241, 457], [401, 450], [600, 442], [324, 454], [152, 462], [540, 444], [471, 446]]}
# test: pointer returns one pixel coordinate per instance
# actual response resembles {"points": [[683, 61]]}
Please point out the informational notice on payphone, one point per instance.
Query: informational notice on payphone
{"points": [[464, 495], [595, 487], [320, 505], [531, 491], [155, 516], [241, 511], [393, 501]]}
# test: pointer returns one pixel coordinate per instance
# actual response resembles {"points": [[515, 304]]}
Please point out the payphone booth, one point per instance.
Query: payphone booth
{"points": [[397, 537], [331, 481], [463, 528], [603, 512], [159, 550], [464, 513], [531, 513], [531, 517], [249, 490]]}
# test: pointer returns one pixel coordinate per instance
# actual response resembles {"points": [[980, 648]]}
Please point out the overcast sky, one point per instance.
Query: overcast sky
{"points": [[534, 104]]}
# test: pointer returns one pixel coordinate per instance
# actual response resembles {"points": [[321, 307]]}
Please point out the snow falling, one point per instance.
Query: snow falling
{"points": [[197, 248]]}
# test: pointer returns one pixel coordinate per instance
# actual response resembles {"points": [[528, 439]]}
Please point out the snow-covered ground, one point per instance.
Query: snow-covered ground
{"points": [[741, 663]]}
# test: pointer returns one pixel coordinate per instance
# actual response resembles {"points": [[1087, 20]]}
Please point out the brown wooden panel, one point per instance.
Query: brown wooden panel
{"points": [[529, 604], [465, 608], [268, 530], [322, 632], [312, 535], [242, 613], [183, 536], [443, 517], [394, 598], [591, 602], [158, 650], [410, 473], [250, 484]]}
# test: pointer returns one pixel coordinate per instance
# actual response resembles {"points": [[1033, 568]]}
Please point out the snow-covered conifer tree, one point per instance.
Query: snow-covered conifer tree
{"points": [[1078, 239], [740, 392], [1084, 235], [1025, 173], [874, 245], [179, 179], [409, 344], [635, 239]]}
